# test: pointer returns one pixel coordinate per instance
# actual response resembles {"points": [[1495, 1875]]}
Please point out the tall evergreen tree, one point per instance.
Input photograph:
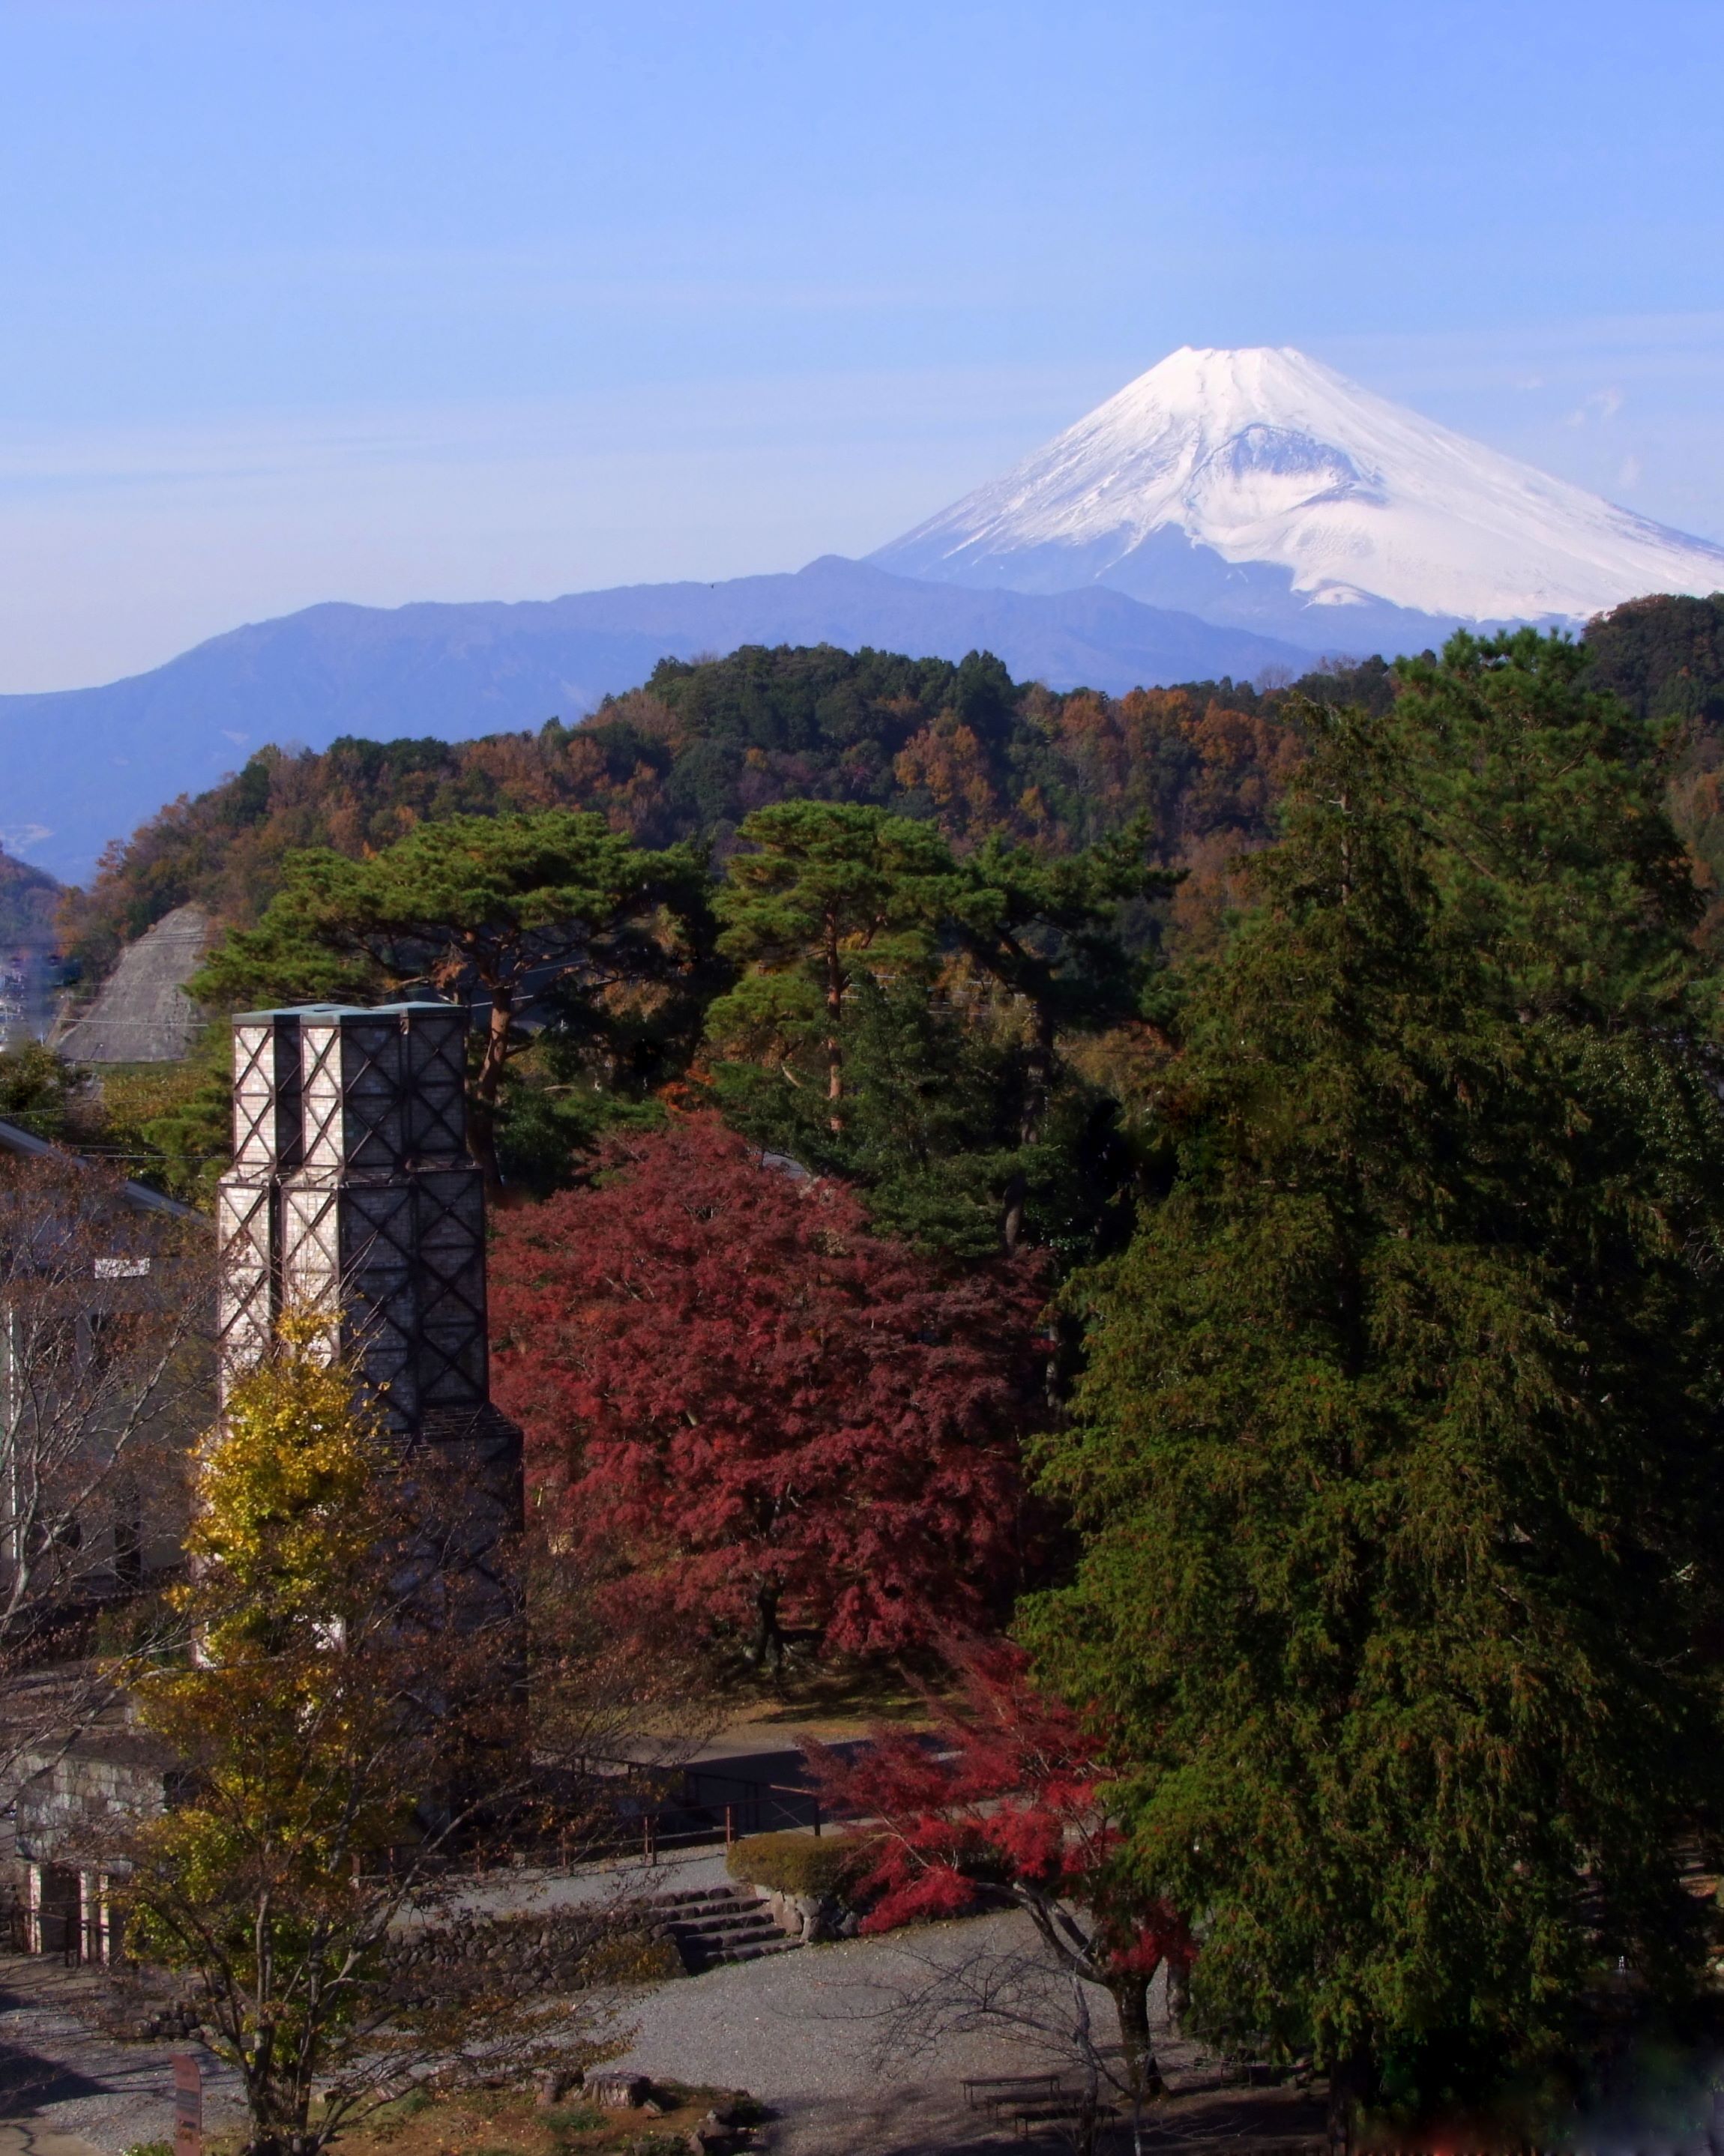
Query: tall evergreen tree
{"points": [[931, 994], [1396, 1453], [960, 1143], [824, 887]]}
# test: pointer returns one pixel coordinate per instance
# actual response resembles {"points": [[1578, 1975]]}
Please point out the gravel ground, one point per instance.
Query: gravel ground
{"points": [[859, 2049], [828, 2037], [142, 1013], [798, 2030], [63, 2083]]}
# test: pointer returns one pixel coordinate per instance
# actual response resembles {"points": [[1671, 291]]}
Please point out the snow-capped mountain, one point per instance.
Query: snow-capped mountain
{"points": [[1259, 486]]}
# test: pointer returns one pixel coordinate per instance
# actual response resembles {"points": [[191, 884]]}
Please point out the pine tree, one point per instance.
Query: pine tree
{"points": [[963, 1141], [824, 887], [931, 995], [551, 908]]}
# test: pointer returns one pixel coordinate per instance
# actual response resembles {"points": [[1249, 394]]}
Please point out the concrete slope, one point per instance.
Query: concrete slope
{"points": [[141, 1012]]}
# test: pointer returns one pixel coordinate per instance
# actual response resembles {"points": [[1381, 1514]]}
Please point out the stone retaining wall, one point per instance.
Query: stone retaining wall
{"points": [[544, 1951]]}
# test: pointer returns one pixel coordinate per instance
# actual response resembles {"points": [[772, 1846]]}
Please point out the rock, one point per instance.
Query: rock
{"points": [[613, 2090], [814, 1919]]}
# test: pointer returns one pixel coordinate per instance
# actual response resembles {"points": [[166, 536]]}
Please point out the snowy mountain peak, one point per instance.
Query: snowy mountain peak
{"points": [[1257, 482]]}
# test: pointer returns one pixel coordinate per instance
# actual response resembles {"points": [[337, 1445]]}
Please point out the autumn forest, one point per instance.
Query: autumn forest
{"points": [[1187, 1222]]}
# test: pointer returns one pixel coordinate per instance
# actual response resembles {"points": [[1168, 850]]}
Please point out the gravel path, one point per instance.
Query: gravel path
{"points": [[61, 2081], [805, 2032], [844, 2043], [797, 2029]]}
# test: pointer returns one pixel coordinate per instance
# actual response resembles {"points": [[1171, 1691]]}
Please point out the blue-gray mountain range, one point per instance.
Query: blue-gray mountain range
{"points": [[81, 767], [1226, 513]]}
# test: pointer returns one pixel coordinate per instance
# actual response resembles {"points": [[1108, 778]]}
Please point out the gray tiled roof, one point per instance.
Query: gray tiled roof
{"points": [[27, 1146]]}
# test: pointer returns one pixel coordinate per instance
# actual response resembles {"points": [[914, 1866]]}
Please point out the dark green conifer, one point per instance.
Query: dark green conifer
{"points": [[1397, 1457]]}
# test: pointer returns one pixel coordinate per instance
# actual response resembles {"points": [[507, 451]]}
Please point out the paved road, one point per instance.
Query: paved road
{"points": [[847, 2044], [803, 2031]]}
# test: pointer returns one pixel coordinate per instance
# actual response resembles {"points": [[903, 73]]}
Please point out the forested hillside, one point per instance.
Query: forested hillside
{"points": [[1004, 1072], [29, 899], [689, 754]]}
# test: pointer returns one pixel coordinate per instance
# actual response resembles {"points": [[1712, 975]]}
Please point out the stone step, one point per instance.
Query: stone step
{"points": [[718, 1920], [706, 1951], [698, 1954], [779, 1943], [729, 1927], [720, 1924]]}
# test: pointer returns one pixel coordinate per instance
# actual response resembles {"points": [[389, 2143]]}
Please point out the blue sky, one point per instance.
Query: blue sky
{"points": [[302, 301]]}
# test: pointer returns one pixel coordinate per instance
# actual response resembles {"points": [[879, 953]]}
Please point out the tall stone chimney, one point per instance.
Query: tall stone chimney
{"points": [[351, 1192]]}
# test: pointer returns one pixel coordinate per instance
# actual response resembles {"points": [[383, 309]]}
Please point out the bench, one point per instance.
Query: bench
{"points": [[1001, 2088]]}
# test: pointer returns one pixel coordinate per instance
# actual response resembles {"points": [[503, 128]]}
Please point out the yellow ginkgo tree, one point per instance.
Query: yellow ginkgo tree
{"points": [[335, 1744]]}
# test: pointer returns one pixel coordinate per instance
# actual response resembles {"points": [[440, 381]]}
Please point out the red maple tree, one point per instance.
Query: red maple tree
{"points": [[781, 1420], [1009, 1797]]}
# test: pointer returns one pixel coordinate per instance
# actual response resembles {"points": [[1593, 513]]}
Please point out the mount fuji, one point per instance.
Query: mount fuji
{"points": [[1258, 489], [1229, 512]]}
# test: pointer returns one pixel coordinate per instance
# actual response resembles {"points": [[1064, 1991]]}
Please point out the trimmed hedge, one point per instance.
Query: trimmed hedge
{"points": [[798, 1863]]}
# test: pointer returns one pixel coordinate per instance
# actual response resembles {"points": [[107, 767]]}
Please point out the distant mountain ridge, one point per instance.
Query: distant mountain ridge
{"points": [[27, 899], [1227, 513], [1261, 489], [84, 766]]}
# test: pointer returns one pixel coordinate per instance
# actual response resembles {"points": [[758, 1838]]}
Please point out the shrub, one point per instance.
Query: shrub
{"points": [[792, 1863]]}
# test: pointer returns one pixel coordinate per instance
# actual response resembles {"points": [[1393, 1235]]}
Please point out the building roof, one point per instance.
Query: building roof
{"points": [[27, 1146]]}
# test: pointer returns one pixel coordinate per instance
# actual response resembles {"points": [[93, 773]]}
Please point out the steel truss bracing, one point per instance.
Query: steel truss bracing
{"points": [[352, 1193]]}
